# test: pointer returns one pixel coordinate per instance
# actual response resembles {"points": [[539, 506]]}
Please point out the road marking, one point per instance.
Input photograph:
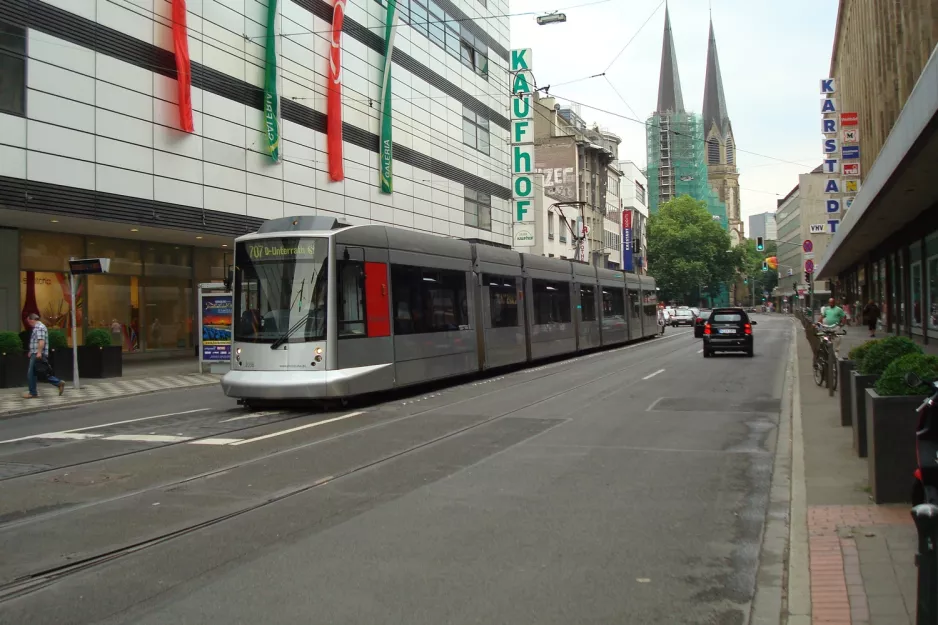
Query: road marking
{"points": [[653, 404], [651, 375], [699, 351], [148, 438], [104, 425], [215, 441], [75, 436], [255, 415], [297, 429]]}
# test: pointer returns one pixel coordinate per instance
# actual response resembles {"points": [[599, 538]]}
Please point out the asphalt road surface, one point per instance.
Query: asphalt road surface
{"points": [[627, 486]]}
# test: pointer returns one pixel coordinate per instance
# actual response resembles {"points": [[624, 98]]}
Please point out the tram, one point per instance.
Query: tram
{"points": [[324, 310]]}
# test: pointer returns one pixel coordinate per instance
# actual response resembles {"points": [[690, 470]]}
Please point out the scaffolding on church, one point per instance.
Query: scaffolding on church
{"points": [[677, 163]]}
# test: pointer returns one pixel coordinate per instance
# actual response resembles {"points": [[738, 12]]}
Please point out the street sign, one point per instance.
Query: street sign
{"points": [[809, 254], [809, 266], [81, 267], [849, 119], [807, 246], [86, 266]]}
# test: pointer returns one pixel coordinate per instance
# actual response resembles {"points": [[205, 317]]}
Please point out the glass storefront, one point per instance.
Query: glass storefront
{"points": [[145, 302]]}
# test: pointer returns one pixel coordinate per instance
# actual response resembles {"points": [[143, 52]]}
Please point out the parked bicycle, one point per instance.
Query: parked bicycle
{"points": [[825, 359]]}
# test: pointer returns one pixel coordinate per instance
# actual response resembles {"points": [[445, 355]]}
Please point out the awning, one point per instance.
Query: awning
{"points": [[902, 184]]}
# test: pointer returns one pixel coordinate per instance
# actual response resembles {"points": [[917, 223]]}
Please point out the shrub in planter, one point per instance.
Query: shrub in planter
{"points": [[13, 363], [859, 352], [97, 358], [879, 355], [891, 421], [60, 354], [57, 339]]}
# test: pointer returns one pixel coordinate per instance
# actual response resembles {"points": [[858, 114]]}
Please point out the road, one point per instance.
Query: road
{"points": [[626, 486]]}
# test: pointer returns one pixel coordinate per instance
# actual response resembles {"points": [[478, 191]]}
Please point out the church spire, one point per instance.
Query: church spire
{"points": [[669, 82], [714, 103]]}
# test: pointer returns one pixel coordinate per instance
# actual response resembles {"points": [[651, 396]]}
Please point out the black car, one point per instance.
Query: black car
{"points": [[699, 324], [728, 330]]}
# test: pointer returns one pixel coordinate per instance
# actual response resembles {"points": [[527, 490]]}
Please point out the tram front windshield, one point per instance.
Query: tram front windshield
{"points": [[280, 290]]}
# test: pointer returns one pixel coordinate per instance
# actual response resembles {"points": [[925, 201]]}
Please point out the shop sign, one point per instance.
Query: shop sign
{"points": [[833, 206], [216, 311], [850, 151], [831, 145], [852, 169], [627, 264], [848, 201], [852, 186], [829, 126], [523, 194], [829, 105], [828, 85], [852, 136], [817, 228], [849, 119], [831, 166]]}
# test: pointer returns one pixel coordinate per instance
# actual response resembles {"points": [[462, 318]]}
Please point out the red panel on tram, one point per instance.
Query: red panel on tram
{"points": [[376, 299]]}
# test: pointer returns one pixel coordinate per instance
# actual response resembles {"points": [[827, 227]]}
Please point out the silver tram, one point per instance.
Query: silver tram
{"points": [[325, 310]]}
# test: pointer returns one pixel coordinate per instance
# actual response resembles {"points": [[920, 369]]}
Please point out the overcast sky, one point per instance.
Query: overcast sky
{"points": [[772, 56]]}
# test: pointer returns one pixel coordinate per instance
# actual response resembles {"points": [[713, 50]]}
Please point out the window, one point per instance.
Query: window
{"points": [[730, 153], [613, 303], [12, 69], [550, 226], [726, 317], [475, 131], [640, 193], [551, 302], [587, 303], [428, 300], [503, 301], [351, 299], [472, 52], [713, 152], [478, 208]]}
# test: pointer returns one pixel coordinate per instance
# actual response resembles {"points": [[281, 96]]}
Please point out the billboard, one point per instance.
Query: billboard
{"points": [[627, 264], [557, 161], [216, 312]]}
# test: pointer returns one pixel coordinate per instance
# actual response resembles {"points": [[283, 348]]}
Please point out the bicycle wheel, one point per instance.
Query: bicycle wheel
{"points": [[820, 365], [834, 376]]}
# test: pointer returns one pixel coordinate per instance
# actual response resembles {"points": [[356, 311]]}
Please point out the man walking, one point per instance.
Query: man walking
{"points": [[39, 351]]}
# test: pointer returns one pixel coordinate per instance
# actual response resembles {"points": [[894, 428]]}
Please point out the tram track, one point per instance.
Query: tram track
{"points": [[301, 414], [32, 582]]}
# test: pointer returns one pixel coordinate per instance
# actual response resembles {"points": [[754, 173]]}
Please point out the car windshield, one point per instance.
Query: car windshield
{"points": [[280, 288]]}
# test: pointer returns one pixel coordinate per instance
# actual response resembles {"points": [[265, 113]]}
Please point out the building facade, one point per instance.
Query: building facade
{"points": [[763, 225], [885, 69], [634, 197], [801, 209], [93, 161]]}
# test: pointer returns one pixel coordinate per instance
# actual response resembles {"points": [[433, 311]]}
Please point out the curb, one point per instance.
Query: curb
{"points": [[768, 602], [799, 581], [12, 414]]}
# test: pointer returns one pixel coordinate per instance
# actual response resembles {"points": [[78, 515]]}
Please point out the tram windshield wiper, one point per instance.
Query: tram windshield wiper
{"points": [[286, 335]]}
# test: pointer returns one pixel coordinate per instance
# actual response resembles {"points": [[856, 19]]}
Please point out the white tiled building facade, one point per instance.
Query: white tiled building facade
{"points": [[98, 122]]}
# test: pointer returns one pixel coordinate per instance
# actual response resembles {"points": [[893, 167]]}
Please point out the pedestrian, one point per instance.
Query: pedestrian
{"points": [[39, 355], [871, 317]]}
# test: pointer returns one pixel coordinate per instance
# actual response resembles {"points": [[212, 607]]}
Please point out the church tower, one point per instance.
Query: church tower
{"points": [[721, 146]]}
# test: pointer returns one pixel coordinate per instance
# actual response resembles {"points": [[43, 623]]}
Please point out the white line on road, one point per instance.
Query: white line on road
{"points": [[105, 425], [651, 375], [214, 441], [148, 438], [75, 436], [297, 429], [699, 351]]}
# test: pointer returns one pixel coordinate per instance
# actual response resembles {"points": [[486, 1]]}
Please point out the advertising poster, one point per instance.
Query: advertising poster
{"points": [[217, 312]]}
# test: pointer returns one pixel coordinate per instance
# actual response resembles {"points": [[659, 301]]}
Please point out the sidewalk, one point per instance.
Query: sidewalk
{"points": [[139, 378], [859, 557]]}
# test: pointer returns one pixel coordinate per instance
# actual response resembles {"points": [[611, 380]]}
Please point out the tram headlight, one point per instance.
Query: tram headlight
{"points": [[238, 354], [318, 350]]}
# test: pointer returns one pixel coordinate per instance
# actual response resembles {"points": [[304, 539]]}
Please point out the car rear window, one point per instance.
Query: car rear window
{"points": [[684, 313], [727, 317]]}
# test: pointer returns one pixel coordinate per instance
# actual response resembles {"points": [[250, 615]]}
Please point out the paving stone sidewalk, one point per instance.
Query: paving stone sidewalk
{"points": [[861, 555]]}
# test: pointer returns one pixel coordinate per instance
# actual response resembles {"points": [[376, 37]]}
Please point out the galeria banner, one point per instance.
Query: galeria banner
{"points": [[334, 97], [271, 99], [385, 146]]}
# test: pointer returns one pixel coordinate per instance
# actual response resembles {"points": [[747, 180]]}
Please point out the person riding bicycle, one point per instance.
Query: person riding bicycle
{"points": [[832, 317]]}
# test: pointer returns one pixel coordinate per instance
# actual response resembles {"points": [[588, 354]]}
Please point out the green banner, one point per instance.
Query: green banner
{"points": [[271, 99], [386, 142]]}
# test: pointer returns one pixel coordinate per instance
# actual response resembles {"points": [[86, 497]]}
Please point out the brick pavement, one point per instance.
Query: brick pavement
{"points": [[860, 556]]}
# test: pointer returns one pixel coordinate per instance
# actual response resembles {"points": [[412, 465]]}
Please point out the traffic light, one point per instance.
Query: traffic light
{"points": [[745, 280], [760, 244], [807, 277], [765, 265]]}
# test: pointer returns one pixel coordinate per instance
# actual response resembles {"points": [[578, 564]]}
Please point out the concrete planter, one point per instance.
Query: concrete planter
{"points": [[13, 369], [61, 360], [844, 369], [100, 362], [860, 383], [890, 425]]}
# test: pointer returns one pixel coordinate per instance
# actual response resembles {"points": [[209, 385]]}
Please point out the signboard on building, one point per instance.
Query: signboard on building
{"points": [[852, 186], [849, 119], [852, 136], [817, 228], [852, 169], [523, 193], [627, 240], [833, 206], [557, 161]]}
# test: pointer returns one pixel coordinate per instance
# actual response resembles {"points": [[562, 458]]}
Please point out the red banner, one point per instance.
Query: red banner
{"points": [[183, 67], [626, 218], [334, 97]]}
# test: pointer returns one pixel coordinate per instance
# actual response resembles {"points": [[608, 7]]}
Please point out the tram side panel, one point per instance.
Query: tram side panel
{"points": [[432, 309], [501, 309], [649, 306], [587, 307], [615, 321], [634, 306], [549, 296]]}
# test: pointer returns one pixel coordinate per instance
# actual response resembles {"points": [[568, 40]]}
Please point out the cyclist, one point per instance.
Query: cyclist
{"points": [[832, 317]]}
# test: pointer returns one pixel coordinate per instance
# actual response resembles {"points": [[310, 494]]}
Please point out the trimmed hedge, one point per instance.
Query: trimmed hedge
{"points": [[881, 355], [98, 338], [859, 352], [10, 343], [892, 382], [57, 339]]}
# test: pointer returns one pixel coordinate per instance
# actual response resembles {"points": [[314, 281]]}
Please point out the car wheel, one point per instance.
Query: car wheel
{"points": [[749, 352], [706, 353]]}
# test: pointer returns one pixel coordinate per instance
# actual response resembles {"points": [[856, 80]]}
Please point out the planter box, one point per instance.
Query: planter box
{"points": [[860, 383], [61, 360], [890, 425], [100, 362], [844, 369], [13, 369]]}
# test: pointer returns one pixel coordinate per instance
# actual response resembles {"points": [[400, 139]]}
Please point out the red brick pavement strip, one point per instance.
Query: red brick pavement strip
{"points": [[837, 593]]}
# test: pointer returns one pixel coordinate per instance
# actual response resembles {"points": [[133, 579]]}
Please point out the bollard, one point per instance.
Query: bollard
{"points": [[926, 522]]}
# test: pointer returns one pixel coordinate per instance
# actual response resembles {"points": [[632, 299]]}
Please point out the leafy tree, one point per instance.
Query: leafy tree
{"points": [[688, 250], [753, 277]]}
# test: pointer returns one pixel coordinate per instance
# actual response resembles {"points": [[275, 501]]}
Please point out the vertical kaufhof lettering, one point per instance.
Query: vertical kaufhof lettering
{"points": [[521, 82]]}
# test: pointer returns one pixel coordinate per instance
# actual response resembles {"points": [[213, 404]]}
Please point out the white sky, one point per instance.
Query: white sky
{"points": [[772, 57]]}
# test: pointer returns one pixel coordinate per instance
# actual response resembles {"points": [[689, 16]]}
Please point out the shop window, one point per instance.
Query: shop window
{"points": [[613, 303], [351, 304], [428, 300], [114, 305], [167, 260], [125, 255], [917, 294], [503, 301], [635, 307], [12, 69], [48, 294], [551, 302], [49, 251], [933, 293], [168, 316], [587, 303]]}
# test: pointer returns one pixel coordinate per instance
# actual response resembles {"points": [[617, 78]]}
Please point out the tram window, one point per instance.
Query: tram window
{"points": [[587, 303], [613, 303], [503, 300], [351, 304], [551, 302], [635, 305], [428, 300]]}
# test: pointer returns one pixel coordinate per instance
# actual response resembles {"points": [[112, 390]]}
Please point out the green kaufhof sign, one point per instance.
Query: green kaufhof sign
{"points": [[523, 191]]}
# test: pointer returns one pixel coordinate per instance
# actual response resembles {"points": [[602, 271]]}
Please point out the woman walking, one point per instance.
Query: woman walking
{"points": [[871, 317]]}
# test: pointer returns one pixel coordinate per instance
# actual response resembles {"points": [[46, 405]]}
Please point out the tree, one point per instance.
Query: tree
{"points": [[754, 279], [689, 251]]}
